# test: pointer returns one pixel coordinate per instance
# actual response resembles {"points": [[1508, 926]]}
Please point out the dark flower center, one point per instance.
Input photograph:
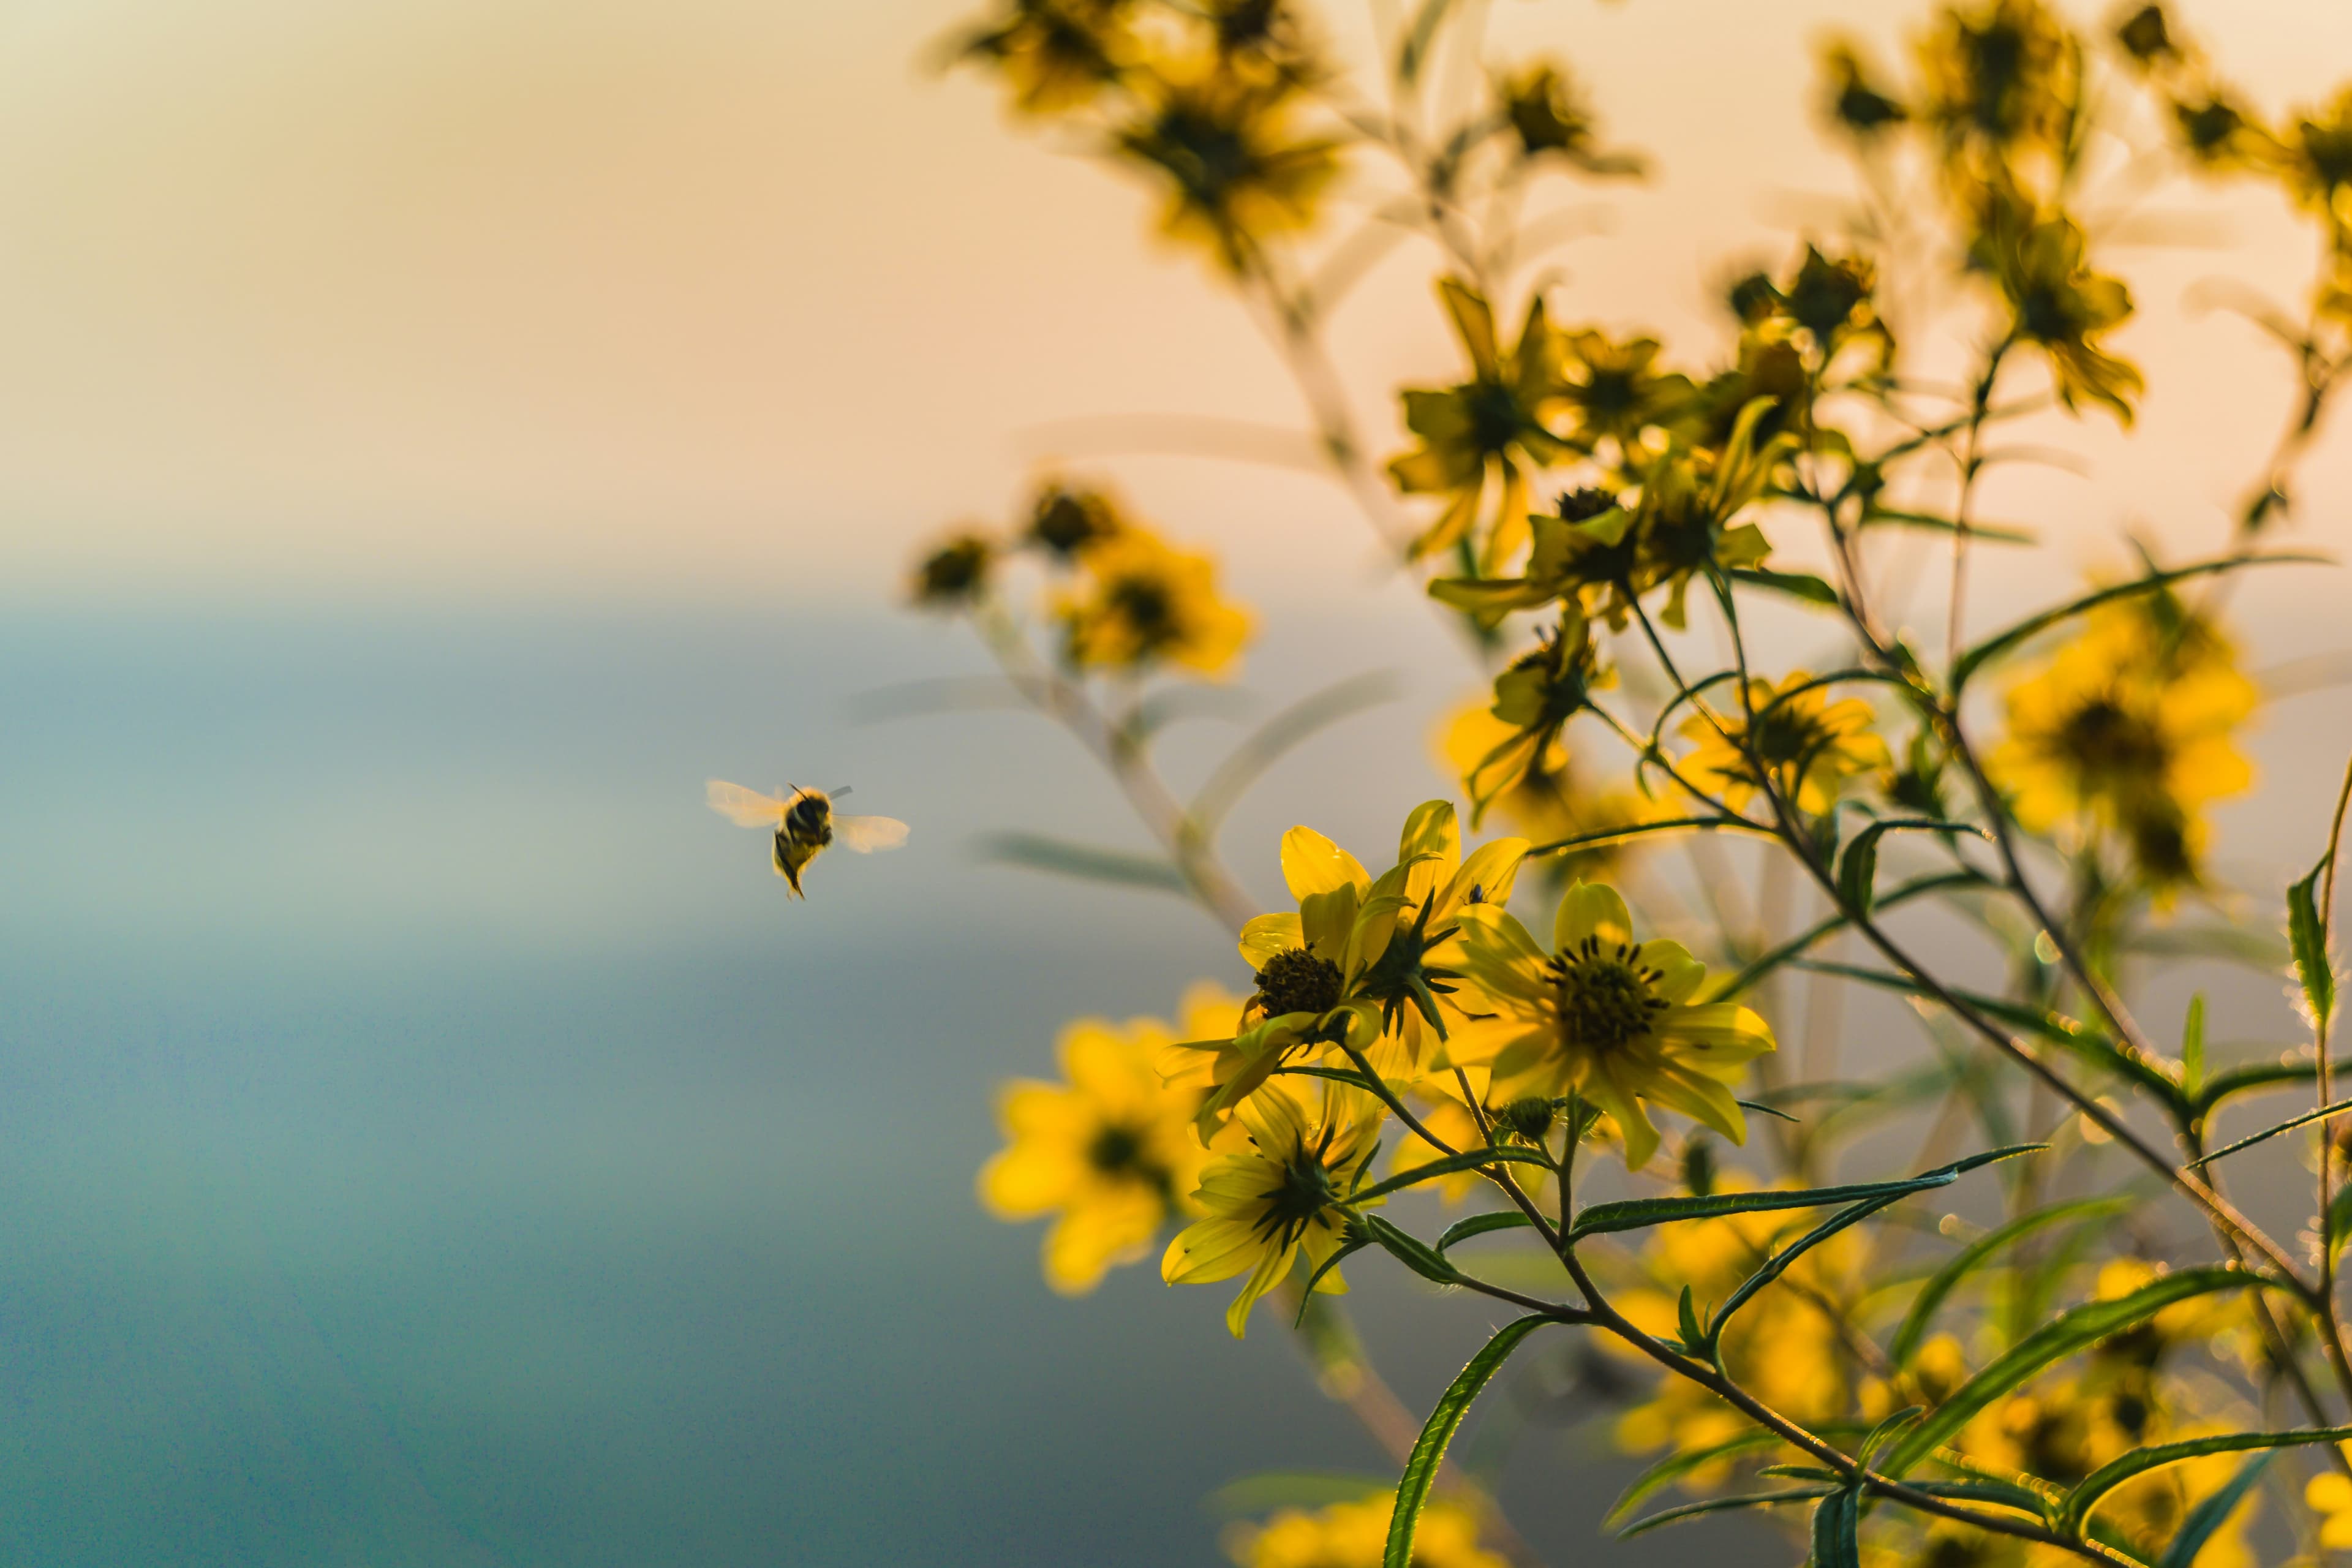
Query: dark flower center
{"points": [[1115, 1150], [1146, 605], [1297, 982], [2110, 744], [1605, 994], [1497, 419], [1785, 738]]}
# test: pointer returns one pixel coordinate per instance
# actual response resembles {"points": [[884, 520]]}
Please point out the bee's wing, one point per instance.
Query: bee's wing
{"points": [[745, 807], [866, 834]]}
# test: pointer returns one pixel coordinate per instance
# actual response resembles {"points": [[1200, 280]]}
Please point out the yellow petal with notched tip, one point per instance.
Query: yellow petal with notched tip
{"points": [[1312, 864]]}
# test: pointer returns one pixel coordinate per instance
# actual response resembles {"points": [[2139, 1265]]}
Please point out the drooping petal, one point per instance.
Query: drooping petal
{"points": [[1208, 1252], [1431, 830], [1474, 323], [1679, 975], [1700, 1098], [1264, 1278], [1633, 1123], [1086, 1240]]}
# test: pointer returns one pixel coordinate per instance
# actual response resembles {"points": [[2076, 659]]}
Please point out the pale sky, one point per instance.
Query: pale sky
{"points": [[688, 299]]}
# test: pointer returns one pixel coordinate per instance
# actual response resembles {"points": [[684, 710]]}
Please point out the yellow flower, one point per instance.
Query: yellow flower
{"points": [[1109, 1152], [1139, 603], [1492, 425], [1220, 140], [1535, 698], [1856, 102], [2004, 80], [2329, 1495], [1275, 1202], [2060, 304], [2128, 729], [1550, 800], [1055, 55], [1359, 959], [955, 573], [1355, 1535], [1808, 746], [1605, 1016], [1550, 114], [1066, 521]]}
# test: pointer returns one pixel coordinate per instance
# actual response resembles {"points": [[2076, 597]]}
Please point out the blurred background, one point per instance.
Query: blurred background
{"points": [[436, 436]]}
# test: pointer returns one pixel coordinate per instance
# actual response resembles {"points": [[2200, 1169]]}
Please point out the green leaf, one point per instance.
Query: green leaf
{"points": [[1469, 1160], [2289, 1125], [1796, 946], [2069, 1332], [1346, 1249], [1428, 1449], [1415, 50], [2312, 966], [1802, 586], [1834, 1544], [1719, 1505], [1881, 517], [1039, 853], [1410, 1251], [1644, 829], [1675, 1467], [1763, 1110], [1266, 744], [2192, 1048], [1271, 1490], [1636, 1214], [1886, 1429], [2208, 1516], [2001, 642], [2076, 1509], [1686, 1323], [2232, 1082], [1913, 1330], [2338, 1224], [1858, 872], [1482, 1223]]}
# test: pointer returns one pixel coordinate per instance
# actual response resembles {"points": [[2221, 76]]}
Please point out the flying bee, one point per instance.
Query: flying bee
{"points": [[804, 824]]}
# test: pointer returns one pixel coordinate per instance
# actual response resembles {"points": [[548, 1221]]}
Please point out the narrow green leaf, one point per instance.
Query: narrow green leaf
{"points": [[1686, 1323], [1718, 1505], [2192, 1048], [1346, 1250], [1834, 1544], [1803, 585], [1777, 1263], [1481, 1223], [1675, 1467], [1410, 1251], [2313, 967], [2001, 642], [2339, 1217], [2208, 1516], [1857, 872], [1451, 1164], [2289, 1125], [1428, 1449], [1886, 1429], [1884, 517], [1764, 1109], [2069, 1332], [1644, 829], [2076, 1509], [1913, 1331], [2230, 1082], [1635, 1213], [1039, 853]]}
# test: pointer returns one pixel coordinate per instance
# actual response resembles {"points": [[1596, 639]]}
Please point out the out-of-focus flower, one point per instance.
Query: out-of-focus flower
{"points": [[1807, 746], [1491, 426], [1856, 103], [1136, 603], [2002, 82], [1108, 1151], [1223, 143], [2129, 728], [2329, 1495], [1550, 800], [1273, 1202], [1615, 390], [1355, 1535], [1605, 1016], [1689, 500], [1054, 54], [1552, 118], [2060, 305], [954, 572], [1584, 553], [1067, 519], [1535, 698]]}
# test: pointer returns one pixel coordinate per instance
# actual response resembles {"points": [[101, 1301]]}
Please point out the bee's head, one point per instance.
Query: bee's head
{"points": [[810, 811]]}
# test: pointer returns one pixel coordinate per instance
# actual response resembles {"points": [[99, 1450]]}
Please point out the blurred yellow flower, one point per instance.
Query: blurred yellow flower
{"points": [[2329, 1495], [1552, 118], [1355, 1535], [1055, 55], [1808, 746], [1138, 602], [1067, 519], [1274, 1203], [2060, 305], [2128, 728], [1109, 1152], [1492, 425], [1235, 171], [954, 572], [1606, 1017]]}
